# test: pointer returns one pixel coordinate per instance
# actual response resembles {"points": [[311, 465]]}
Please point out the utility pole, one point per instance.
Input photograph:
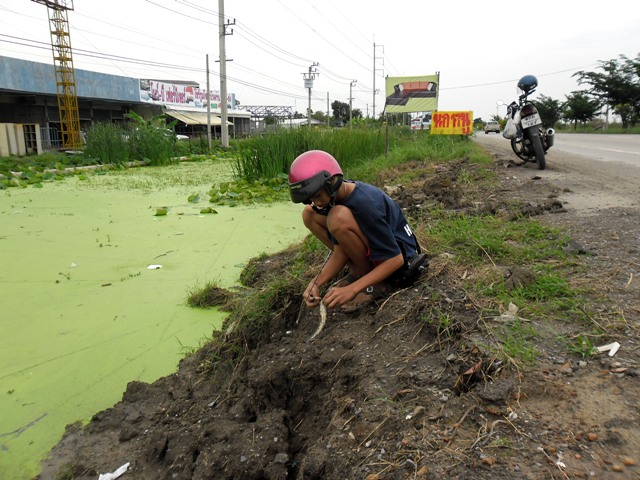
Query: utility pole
{"points": [[351, 85], [308, 83], [375, 92], [224, 129], [207, 96], [327, 109]]}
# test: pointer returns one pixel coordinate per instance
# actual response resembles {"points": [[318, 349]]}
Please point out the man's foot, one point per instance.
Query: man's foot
{"points": [[365, 297]]}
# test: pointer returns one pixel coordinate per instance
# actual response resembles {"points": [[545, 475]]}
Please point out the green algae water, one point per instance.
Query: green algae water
{"points": [[93, 288]]}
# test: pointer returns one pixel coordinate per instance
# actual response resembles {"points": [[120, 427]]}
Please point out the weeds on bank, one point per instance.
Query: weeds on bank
{"points": [[209, 295], [517, 342], [267, 293], [187, 351], [490, 246], [484, 245], [581, 345]]}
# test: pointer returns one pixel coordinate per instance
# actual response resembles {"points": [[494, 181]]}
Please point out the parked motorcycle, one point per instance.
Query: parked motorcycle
{"points": [[529, 140]]}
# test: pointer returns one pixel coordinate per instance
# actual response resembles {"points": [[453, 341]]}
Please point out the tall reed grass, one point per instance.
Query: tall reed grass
{"points": [[153, 145], [269, 155], [107, 143], [114, 144]]}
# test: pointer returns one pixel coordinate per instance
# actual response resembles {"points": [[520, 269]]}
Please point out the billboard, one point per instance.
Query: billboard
{"points": [[452, 123], [177, 95], [411, 94]]}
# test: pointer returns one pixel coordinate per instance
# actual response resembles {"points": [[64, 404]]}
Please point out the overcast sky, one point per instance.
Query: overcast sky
{"points": [[480, 48]]}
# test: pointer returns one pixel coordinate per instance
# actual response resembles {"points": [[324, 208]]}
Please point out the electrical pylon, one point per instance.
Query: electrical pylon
{"points": [[64, 71]]}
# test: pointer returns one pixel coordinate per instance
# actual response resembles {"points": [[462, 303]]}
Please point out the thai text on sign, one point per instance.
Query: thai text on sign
{"points": [[452, 123]]}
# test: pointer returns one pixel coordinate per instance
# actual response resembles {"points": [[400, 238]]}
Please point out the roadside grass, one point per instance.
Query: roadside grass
{"points": [[487, 247], [482, 246], [518, 343], [424, 153]]}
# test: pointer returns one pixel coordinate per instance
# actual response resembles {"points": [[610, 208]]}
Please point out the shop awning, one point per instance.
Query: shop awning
{"points": [[195, 118]]}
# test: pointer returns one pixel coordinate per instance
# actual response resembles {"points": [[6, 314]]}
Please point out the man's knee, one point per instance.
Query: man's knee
{"points": [[309, 217], [340, 219]]}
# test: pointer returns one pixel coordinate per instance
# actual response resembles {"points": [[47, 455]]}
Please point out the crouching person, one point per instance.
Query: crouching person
{"points": [[363, 227]]}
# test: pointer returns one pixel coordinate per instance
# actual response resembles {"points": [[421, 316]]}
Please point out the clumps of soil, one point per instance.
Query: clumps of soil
{"points": [[518, 277], [439, 189], [410, 387]]}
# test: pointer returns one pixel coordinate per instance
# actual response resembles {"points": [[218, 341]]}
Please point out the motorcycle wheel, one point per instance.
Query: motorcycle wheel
{"points": [[536, 142], [517, 145]]}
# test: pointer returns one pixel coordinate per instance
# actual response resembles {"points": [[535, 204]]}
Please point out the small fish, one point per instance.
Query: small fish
{"points": [[323, 320]]}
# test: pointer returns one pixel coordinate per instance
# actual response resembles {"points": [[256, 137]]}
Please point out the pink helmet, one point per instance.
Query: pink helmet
{"points": [[312, 171]]}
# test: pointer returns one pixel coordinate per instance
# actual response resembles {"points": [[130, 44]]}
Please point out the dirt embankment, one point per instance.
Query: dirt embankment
{"points": [[387, 395]]}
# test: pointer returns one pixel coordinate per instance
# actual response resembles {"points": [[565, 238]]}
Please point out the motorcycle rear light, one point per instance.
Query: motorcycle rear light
{"points": [[527, 110]]}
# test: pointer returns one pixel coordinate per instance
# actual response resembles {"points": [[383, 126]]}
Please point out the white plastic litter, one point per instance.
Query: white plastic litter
{"points": [[612, 348], [116, 474], [154, 267], [510, 315]]}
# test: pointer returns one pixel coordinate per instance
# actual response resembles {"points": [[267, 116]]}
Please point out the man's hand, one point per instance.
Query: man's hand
{"points": [[337, 296], [312, 295]]}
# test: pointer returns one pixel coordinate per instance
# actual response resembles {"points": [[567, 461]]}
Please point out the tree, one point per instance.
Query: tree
{"points": [[626, 111], [580, 107], [320, 116], [340, 112], [618, 84], [550, 110]]}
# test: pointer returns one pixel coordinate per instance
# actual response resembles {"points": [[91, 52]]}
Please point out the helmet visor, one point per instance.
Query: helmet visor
{"points": [[302, 191]]}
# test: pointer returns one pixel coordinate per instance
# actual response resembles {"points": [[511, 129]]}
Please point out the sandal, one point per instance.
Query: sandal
{"points": [[346, 280], [365, 297]]}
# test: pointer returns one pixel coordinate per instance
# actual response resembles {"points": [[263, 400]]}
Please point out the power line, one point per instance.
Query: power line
{"points": [[87, 53], [321, 36], [347, 37]]}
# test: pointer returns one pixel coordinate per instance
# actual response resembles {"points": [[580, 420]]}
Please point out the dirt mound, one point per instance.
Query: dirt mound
{"points": [[388, 393]]}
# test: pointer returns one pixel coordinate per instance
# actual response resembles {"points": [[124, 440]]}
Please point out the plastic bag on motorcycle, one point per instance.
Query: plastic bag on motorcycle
{"points": [[510, 130]]}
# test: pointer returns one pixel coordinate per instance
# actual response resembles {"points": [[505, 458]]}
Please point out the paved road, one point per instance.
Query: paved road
{"points": [[603, 147], [592, 170], [617, 148]]}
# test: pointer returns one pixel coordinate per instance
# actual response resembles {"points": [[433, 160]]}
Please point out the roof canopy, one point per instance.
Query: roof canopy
{"points": [[195, 118]]}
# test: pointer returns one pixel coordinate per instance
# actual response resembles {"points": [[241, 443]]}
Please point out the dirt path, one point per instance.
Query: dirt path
{"points": [[386, 395]]}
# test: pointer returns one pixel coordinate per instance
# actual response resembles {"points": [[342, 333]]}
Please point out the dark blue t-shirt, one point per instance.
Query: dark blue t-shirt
{"points": [[382, 222]]}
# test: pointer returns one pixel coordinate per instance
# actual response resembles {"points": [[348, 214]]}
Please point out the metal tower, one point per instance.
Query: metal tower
{"points": [[64, 71]]}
